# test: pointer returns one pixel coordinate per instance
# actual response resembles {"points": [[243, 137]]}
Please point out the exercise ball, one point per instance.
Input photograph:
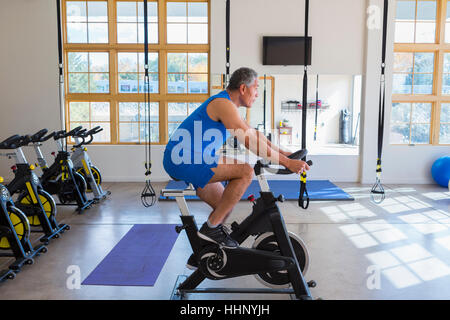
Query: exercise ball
{"points": [[440, 171]]}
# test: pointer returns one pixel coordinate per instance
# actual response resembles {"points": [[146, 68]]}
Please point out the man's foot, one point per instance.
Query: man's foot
{"points": [[217, 235], [192, 263]]}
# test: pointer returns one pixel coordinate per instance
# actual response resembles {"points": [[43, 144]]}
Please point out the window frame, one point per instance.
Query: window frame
{"points": [[439, 48], [113, 47]]}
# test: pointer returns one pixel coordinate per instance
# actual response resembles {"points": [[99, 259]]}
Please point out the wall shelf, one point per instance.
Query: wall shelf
{"points": [[293, 105]]}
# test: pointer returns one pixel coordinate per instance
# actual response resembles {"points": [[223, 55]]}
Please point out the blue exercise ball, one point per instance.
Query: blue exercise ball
{"points": [[440, 171]]}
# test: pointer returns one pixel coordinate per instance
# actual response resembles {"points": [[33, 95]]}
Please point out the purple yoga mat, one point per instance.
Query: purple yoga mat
{"points": [[137, 259]]}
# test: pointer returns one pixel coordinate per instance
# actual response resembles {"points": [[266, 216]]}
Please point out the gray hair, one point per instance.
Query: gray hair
{"points": [[242, 76]]}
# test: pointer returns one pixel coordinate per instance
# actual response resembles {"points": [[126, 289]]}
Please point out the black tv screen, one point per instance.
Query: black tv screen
{"points": [[286, 51]]}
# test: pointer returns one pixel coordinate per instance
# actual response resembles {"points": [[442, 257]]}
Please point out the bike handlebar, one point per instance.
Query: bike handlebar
{"points": [[11, 142], [15, 142], [300, 154], [51, 135], [38, 135], [73, 132], [83, 134]]}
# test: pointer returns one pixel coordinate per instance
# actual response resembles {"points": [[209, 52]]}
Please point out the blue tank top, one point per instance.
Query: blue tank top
{"points": [[198, 137]]}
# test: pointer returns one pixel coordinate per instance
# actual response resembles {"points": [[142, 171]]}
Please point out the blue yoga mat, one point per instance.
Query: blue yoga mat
{"points": [[137, 259], [317, 190]]}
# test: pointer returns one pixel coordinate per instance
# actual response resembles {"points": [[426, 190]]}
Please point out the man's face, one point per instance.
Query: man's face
{"points": [[249, 94]]}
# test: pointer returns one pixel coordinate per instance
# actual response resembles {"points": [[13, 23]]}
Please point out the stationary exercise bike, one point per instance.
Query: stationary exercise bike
{"points": [[14, 235], [278, 258], [61, 178], [37, 204], [83, 164]]}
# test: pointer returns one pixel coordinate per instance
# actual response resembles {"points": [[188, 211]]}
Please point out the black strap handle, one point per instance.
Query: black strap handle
{"points": [[303, 197]]}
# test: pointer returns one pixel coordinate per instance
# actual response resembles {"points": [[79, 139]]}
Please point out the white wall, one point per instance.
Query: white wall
{"points": [[334, 91], [336, 27], [28, 70], [342, 45], [400, 164]]}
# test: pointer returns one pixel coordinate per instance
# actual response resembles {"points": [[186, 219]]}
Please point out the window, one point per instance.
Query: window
{"points": [[132, 124], [410, 123], [413, 72], [421, 73], [88, 72], [178, 111], [90, 115], [415, 21], [87, 22], [104, 66], [130, 22], [447, 24], [187, 72], [446, 75], [187, 22], [131, 72], [444, 130]]}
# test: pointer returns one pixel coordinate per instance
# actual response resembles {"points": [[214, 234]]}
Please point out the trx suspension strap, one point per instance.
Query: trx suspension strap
{"points": [[227, 44], [317, 106], [264, 106], [377, 188], [267, 135], [303, 198], [61, 70], [148, 195]]}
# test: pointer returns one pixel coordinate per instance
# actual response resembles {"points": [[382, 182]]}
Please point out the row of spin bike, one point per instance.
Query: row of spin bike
{"points": [[27, 204]]}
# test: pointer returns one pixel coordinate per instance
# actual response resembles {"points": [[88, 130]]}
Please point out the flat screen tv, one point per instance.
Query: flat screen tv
{"points": [[286, 51]]}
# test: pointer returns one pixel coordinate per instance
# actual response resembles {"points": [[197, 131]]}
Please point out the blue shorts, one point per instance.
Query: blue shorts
{"points": [[197, 174]]}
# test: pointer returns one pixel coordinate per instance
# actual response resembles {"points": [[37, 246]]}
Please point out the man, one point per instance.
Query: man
{"points": [[193, 158]]}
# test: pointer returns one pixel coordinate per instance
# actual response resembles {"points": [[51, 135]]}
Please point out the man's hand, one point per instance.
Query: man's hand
{"points": [[297, 166], [285, 153]]}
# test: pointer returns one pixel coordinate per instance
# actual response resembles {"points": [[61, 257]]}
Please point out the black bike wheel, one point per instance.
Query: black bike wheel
{"points": [[268, 242], [67, 194]]}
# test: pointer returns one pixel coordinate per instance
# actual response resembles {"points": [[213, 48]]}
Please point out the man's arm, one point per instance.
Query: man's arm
{"points": [[272, 146], [226, 112]]}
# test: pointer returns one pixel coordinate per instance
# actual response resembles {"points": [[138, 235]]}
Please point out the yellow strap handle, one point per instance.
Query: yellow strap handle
{"points": [[303, 177]]}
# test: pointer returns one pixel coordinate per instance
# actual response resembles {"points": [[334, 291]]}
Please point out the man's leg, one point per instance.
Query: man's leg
{"points": [[211, 193], [222, 200], [239, 174]]}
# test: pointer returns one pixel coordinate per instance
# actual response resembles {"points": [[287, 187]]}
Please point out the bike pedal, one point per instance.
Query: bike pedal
{"points": [[178, 229]]}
